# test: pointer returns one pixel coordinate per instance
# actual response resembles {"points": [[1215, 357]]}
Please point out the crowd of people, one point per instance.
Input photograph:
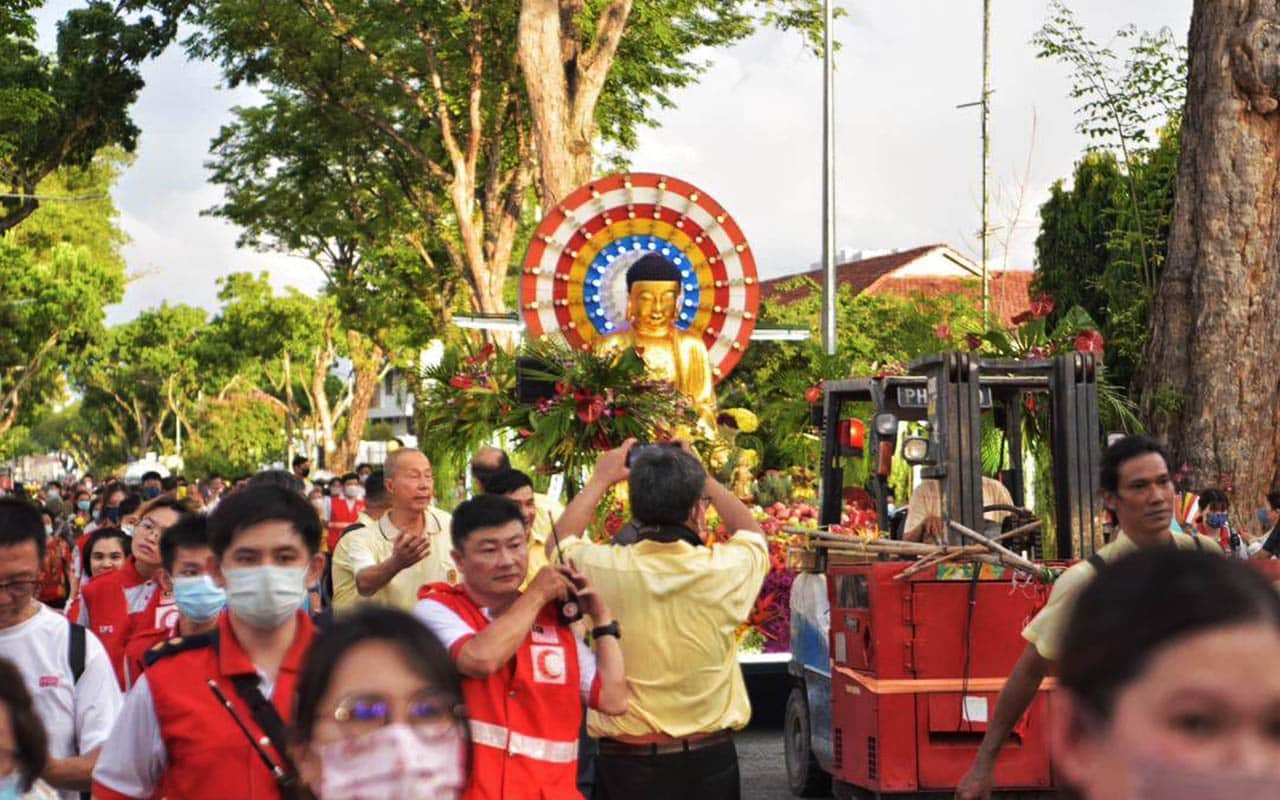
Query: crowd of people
{"points": [[269, 637]]}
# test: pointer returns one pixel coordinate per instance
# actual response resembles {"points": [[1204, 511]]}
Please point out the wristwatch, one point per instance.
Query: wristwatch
{"points": [[611, 629]]}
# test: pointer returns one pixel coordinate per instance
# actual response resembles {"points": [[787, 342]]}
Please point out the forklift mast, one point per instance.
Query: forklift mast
{"points": [[950, 392]]}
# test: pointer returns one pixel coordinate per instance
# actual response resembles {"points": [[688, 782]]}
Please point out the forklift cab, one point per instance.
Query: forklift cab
{"points": [[894, 676], [949, 393]]}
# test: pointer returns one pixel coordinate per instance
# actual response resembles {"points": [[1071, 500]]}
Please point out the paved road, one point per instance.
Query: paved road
{"points": [[761, 764]]}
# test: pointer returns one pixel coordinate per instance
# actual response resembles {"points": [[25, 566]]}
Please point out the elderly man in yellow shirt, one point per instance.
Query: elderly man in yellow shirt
{"points": [[1138, 488], [407, 548], [680, 602]]}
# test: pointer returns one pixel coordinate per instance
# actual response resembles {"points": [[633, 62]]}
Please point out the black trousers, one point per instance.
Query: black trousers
{"points": [[710, 773]]}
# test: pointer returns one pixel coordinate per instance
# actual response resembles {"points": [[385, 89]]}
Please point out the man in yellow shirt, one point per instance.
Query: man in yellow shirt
{"points": [[408, 548], [924, 512], [1138, 489], [680, 603]]}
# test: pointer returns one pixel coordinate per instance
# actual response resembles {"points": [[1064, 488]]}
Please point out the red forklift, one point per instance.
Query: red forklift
{"points": [[895, 677]]}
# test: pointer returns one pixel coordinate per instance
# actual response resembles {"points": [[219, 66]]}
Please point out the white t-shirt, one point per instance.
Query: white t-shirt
{"points": [[77, 716]]}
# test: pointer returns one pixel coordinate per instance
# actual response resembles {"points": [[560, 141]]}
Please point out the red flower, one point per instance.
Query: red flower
{"points": [[590, 408], [1042, 306], [486, 352], [1031, 403], [524, 433], [462, 382], [562, 387], [973, 341], [1089, 342], [813, 394], [942, 331]]}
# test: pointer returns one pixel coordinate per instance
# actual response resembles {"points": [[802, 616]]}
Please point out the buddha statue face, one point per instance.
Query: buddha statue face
{"points": [[652, 307]]}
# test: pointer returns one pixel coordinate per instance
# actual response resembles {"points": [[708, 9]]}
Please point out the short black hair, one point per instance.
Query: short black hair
{"points": [[506, 482], [364, 466], [150, 475], [1144, 602], [190, 531], [32, 744], [375, 488], [1273, 499], [1123, 450], [421, 650], [170, 483], [86, 555], [350, 476], [175, 505], [262, 503], [300, 460], [665, 484], [652, 267], [130, 504], [1214, 497], [21, 521], [482, 511], [279, 477]]}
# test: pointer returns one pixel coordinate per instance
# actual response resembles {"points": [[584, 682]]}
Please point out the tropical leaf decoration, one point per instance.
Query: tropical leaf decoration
{"points": [[598, 403]]}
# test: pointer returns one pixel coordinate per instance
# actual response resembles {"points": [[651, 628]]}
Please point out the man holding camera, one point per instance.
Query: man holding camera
{"points": [[680, 603]]}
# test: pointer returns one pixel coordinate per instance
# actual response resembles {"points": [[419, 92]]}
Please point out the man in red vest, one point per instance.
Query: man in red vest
{"points": [[175, 730], [127, 599], [525, 673]]}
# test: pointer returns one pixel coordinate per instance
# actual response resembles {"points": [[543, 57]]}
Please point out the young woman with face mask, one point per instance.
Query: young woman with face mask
{"points": [[378, 712], [1167, 684]]}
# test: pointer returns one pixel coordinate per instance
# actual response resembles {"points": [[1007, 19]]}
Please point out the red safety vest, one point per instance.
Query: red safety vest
{"points": [[343, 513], [525, 717], [117, 603], [209, 757]]}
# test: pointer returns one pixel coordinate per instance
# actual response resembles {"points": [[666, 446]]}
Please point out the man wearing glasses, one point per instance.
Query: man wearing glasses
{"points": [[129, 598], [77, 711]]}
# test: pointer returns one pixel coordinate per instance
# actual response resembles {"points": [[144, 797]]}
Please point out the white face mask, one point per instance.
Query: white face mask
{"points": [[392, 763], [1162, 780], [265, 596], [353, 492]]}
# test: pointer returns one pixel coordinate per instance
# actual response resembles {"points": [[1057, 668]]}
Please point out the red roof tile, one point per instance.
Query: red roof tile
{"points": [[1010, 289]]}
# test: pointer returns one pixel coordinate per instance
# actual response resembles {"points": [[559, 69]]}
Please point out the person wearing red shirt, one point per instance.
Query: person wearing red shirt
{"points": [[525, 673], [174, 729], [345, 511], [128, 598], [190, 600]]}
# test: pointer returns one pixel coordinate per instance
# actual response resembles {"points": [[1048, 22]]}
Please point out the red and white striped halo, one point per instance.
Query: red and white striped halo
{"points": [[574, 278]]}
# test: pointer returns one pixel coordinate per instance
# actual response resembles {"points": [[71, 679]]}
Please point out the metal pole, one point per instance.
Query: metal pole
{"points": [[828, 188], [986, 159]]}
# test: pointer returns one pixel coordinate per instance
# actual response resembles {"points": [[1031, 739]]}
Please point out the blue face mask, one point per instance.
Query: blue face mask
{"points": [[1216, 519], [198, 598], [150, 493], [9, 787], [113, 515], [83, 505]]}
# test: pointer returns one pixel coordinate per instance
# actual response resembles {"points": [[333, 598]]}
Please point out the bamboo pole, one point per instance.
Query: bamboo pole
{"points": [[1006, 555]]}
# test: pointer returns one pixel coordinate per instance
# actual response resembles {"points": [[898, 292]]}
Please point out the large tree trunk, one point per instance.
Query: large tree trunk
{"points": [[563, 82], [1210, 386], [368, 366]]}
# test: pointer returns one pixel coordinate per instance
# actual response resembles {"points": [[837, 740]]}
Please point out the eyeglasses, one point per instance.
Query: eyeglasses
{"points": [[148, 525], [429, 713], [19, 590]]}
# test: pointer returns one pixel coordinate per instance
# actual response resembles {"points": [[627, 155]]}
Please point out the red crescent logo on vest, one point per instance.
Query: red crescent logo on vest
{"points": [[548, 664]]}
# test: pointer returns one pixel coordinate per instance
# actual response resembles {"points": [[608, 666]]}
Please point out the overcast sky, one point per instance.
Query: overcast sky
{"points": [[908, 162]]}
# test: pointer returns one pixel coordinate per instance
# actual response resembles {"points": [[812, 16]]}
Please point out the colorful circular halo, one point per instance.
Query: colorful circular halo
{"points": [[574, 279]]}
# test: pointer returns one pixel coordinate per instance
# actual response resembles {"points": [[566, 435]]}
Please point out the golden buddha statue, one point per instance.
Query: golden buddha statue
{"points": [[670, 354]]}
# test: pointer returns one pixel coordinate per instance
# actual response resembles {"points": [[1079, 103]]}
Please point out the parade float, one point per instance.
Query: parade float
{"points": [[603, 362]]}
